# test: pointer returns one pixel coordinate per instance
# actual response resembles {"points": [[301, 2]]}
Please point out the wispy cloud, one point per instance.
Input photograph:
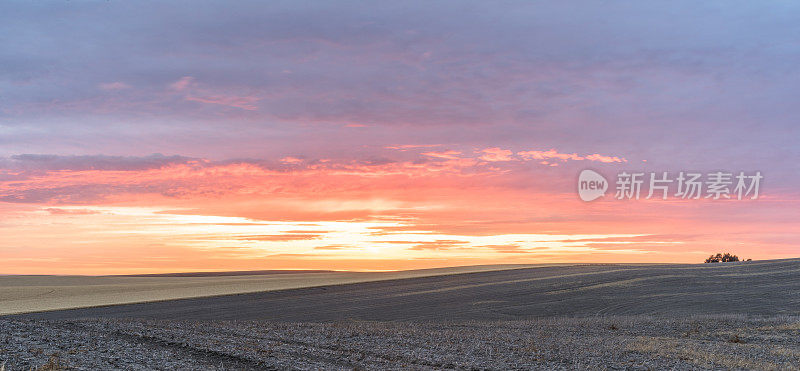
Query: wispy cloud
{"points": [[549, 154], [449, 155], [183, 83], [243, 102], [116, 85], [601, 158]]}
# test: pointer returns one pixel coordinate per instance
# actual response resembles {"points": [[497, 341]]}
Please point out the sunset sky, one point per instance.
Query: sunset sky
{"points": [[140, 137]]}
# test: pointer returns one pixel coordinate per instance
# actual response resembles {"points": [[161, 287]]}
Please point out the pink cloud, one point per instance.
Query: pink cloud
{"points": [[411, 146], [71, 181], [195, 93], [182, 84], [495, 154]]}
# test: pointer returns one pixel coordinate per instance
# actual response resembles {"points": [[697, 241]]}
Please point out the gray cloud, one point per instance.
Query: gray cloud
{"points": [[38, 162], [679, 83]]}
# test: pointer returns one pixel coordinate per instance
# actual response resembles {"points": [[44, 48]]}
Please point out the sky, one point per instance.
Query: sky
{"points": [[152, 136]]}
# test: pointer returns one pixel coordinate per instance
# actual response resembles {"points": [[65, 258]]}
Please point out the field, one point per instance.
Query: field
{"points": [[21, 294], [729, 315], [616, 342]]}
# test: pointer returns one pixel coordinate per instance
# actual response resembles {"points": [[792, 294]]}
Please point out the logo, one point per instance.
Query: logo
{"points": [[591, 185], [716, 185]]}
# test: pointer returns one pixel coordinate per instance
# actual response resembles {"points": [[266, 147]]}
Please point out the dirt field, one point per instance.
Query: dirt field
{"points": [[748, 288], [617, 342], [20, 294]]}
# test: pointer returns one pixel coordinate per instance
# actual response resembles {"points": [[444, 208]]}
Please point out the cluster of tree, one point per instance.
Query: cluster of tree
{"points": [[723, 258]]}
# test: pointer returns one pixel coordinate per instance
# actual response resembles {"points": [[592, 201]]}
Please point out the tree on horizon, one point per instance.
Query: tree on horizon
{"points": [[722, 258]]}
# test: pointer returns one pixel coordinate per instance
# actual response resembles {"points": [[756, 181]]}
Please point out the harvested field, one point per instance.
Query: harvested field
{"points": [[617, 342], [21, 294], [749, 288]]}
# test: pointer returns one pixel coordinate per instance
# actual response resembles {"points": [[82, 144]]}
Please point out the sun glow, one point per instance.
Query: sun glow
{"points": [[168, 236]]}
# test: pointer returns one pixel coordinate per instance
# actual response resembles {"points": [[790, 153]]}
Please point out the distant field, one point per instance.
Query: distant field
{"points": [[747, 288], [21, 294]]}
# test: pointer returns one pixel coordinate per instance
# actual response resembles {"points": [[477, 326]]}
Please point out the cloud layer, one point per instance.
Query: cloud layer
{"points": [[443, 122]]}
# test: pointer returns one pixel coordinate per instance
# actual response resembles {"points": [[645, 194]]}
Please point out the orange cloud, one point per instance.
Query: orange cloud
{"points": [[57, 211], [496, 154], [291, 160], [601, 158], [281, 237], [439, 245]]}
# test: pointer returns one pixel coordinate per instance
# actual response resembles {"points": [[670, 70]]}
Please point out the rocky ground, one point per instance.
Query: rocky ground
{"points": [[618, 342]]}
